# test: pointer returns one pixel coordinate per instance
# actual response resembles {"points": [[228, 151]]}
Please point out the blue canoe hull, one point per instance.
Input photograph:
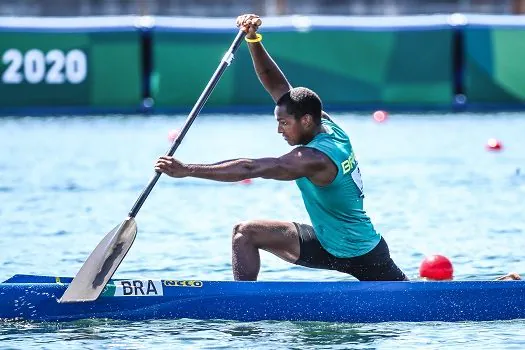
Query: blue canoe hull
{"points": [[36, 298]]}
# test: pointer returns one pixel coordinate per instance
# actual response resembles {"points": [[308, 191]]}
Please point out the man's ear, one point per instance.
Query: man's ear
{"points": [[307, 120]]}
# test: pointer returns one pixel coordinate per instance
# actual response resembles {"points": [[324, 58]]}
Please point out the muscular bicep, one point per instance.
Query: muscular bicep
{"points": [[301, 162]]}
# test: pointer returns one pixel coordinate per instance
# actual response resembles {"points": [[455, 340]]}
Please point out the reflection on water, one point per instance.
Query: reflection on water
{"points": [[169, 334], [330, 334], [300, 335]]}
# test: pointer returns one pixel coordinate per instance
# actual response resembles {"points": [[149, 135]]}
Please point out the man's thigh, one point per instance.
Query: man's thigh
{"points": [[277, 237]]}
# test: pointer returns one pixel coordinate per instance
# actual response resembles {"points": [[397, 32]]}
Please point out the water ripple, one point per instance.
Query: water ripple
{"points": [[439, 192]]}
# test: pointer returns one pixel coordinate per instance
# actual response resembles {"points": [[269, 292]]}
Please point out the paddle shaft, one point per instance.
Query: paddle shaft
{"points": [[225, 62]]}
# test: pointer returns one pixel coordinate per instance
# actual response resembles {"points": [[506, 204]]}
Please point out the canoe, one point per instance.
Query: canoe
{"points": [[35, 298]]}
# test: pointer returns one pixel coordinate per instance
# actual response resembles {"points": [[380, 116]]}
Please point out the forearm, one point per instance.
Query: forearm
{"points": [[269, 74], [226, 171], [240, 169]]}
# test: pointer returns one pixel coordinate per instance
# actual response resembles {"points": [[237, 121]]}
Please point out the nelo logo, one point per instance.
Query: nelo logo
{"points": [[174, 283]]}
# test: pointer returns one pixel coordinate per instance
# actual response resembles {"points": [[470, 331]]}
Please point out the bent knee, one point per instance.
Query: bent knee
{"points": [[243, 231]]}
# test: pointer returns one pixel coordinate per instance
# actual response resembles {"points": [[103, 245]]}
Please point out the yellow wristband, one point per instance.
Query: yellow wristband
{"points": [[258, 38]]}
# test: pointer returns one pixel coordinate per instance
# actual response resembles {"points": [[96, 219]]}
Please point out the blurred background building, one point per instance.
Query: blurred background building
{"points": [[228, 8]]}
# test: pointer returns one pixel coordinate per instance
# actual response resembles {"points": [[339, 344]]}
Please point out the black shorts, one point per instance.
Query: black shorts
{"points": [[376, 265]]}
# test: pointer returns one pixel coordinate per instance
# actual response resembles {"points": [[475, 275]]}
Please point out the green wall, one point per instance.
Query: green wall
{"points": [[402, 62], [70, 69], [495, 65], [345, 67]]}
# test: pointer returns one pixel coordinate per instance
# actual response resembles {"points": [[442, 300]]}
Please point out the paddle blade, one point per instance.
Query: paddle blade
{"points": [[101, 264]]}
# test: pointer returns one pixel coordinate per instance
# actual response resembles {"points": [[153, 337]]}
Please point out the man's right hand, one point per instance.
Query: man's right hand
{"points": [[249, 24]]}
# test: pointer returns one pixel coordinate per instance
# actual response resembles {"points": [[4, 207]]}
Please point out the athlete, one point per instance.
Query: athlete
{"points": [[325, 169]]}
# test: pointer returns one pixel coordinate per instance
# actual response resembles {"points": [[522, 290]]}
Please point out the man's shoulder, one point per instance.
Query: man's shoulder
{"points": [[326, 116], [313, 153], [331, 125], [328, 121]]}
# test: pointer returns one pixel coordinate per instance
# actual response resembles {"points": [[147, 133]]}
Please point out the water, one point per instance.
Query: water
{"points": [[430, 185]]}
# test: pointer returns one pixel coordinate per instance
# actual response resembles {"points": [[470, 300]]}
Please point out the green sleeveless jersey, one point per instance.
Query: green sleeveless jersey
{"points": [[336, 210]]}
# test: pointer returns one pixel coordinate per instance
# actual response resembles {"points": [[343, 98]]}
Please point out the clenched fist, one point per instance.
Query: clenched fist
{"points": [[249, 23], [171, 167]]}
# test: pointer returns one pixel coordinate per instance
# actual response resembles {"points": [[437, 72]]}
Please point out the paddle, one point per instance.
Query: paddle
{"points": [[109, 253]]}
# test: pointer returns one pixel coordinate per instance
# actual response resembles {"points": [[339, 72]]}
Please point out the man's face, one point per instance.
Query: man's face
{"points": [[291, 128]]}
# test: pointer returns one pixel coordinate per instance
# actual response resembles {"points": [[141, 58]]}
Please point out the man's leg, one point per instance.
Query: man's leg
{"points": [[376, 265], [277, 237]]}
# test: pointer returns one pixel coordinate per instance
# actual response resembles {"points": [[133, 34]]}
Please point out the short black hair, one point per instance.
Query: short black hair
{"points": [[300, 101]]}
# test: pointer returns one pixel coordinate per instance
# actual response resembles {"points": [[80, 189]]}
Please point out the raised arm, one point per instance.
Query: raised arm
{"points": [[267, 70]]}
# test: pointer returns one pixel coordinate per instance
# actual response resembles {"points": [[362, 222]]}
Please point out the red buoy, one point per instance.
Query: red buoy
{"points": [[173, 134], [436, 267], [494, 145], [380, 116]]}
